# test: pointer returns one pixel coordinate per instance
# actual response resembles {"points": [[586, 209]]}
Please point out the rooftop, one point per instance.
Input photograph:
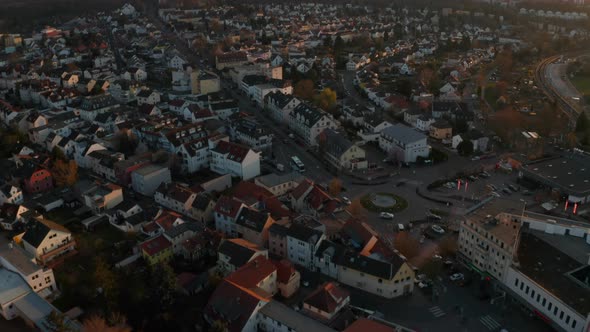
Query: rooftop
{"points": [[551, 268], [487, 217], [19, 258], [291, 318], [12, 286], [571, 172]]}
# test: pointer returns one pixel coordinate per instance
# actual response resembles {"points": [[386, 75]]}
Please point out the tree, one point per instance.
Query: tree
{"points": [[338, 44], [582, 123], [163, 285], [106, 280], [304, 89], [326, 100], [218, 326], [407, 245], [97, 323], [56, 322], [65, 173], [465, 148], [335, 187]]}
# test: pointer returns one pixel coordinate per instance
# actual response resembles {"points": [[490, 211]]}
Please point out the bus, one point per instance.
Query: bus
{"points": [[297, 165]]}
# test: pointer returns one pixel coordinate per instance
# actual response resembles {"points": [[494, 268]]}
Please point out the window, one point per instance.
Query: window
{"points": [[574, 323], [521, 285], [532, 293], [567, 319], [555, 311], [544, 301], [561, 315], [527, 290], [516, 282], [538, 297], [550, 305]]}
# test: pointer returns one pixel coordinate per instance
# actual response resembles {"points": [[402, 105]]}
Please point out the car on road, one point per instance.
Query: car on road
{"points": [[495, 194], [494, 188], [400, 227], [437, 229], [423, 284], [506, 191], [420, 277], [346, 200], [457, 277], [513, 187], [386, 215]]}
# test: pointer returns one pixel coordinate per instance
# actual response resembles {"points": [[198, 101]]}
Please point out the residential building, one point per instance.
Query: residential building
{"points": [[441, 129], [340, 152], [258, 276], [279, 185], [48, 241], [103, 197], [251, 133], [156, 250], [252, 225], [277, 240], [308, 122], [404, 144], [230, 59], [17, 260], [10, 194], [277, 317], [39, 180], [204, 82], [147, 179], [479, 141], [302, 242], [280, 105], [175, 197], [288, 278], [235, 159], [234, 253], [225, 215], [147, 96], [326, 301]]}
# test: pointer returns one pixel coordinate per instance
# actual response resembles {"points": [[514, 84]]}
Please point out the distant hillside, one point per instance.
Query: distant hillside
{"points": [[26, 15]]}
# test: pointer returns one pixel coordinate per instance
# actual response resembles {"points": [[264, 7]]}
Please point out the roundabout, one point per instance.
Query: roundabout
{"points": [[383, 202]]}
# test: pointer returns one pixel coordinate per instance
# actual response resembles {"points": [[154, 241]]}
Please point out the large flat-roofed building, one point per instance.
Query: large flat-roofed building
{"points": [[552, 277], [569, 174]]}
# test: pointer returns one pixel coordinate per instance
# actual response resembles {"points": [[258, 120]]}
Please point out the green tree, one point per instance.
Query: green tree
{"points": [[465, 148]]}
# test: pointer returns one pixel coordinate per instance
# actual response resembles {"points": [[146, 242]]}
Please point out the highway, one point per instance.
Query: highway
{"points": [[553, 87]]}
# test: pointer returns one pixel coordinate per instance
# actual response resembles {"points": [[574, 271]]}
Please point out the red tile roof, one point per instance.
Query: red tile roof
{"points": [[234, 152], [250, 193], [252, 273], [167, 218], [155, 245], [232, 305], [327, 297], [301, 189], [228, 206], [285, 269]]}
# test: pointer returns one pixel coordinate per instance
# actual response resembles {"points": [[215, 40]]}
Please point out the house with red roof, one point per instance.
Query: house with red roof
{"points": [[235, 159], [258, 276], [235, 253], [309, 198], [326, 301], [156, 250], [288, 278], [365, 324]]}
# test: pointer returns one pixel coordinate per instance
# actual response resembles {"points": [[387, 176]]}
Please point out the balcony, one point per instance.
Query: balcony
{"points": [[65, 250]]}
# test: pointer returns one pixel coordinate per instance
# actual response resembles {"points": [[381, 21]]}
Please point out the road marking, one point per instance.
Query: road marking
{"points": [[490, 323], [436, 311]]}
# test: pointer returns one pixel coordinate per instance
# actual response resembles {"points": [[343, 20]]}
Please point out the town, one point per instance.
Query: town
{"points": [[296, 166]]}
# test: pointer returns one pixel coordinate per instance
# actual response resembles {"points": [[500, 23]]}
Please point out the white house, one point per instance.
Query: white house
{"points": [[308, 122], [47, 240], [403, 143], [280, 105], [235, 159], [147, 96], [39, 278], [11, 194], [147, 179]]}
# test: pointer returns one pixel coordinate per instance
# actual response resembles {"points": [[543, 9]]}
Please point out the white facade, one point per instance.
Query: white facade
{"points": [[147, 179], [302, 253], [247, 169]]}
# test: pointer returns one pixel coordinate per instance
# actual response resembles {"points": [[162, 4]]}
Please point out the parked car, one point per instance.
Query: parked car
{"points": [[423, 284], [386, 215], [346, 200], [400, 227], [437, 229], [513, 187], [420, 277], [457, 277], [506, 191]]}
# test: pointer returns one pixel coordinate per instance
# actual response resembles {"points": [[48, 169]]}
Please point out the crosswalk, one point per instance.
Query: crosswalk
{"points": [[437, 311], [490, 323]]}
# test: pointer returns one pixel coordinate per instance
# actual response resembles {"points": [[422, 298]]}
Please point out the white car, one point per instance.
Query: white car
{"points": [[457, 276], [386, 215], [423, 284], [346, 200], [419, 278], [438, 229]]}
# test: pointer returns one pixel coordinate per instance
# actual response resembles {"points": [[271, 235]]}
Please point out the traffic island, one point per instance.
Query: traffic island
{"points": [[383, 202]]}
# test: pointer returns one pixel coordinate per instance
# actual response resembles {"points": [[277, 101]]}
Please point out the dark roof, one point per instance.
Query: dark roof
{"points": [[252, 219], [335, 143], [232, 305], [238, 254], [311, 115], [403, 134], [278, 229], [182, 228], [38, 229], [235, 152], [304, 233], [375, 267], [279, 99], [201, 202]]}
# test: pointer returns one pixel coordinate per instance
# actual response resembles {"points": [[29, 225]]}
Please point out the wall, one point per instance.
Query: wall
{"points": [[385, 288]]}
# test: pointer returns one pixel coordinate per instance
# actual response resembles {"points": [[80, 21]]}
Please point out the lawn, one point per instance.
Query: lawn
{"points": [[582, 83]]}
